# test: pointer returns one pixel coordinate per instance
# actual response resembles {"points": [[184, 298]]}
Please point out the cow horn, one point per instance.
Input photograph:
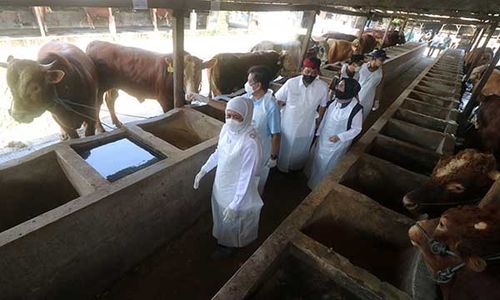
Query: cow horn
{"points": [[494, 175], [48, 66]]}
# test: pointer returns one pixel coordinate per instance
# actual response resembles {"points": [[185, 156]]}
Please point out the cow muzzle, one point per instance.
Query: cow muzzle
{"points": [[21, 117], [409, 204]]}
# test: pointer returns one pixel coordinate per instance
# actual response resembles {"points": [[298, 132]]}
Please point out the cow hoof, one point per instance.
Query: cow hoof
{"points": [[100, 130], [118, 124]]}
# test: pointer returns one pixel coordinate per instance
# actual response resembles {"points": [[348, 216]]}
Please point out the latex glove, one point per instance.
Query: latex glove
{"points": [[271, 163], [376, 105], [198, 178], [229, 215]]}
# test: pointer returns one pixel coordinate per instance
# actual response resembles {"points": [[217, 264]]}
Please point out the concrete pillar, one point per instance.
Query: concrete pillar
{"points": [[178, 39], [192, 20]]}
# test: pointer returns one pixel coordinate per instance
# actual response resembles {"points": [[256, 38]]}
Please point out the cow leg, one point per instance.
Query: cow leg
{"points": [[166, 102], [111, 21], [90, 127], [90, 21], [110, 98], [154, 18]]}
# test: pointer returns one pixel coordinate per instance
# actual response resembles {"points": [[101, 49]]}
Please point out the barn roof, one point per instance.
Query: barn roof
{"points": [[475, 10]]}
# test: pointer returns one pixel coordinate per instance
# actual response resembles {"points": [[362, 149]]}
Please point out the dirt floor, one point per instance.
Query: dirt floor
{"points": [[183, 269]]}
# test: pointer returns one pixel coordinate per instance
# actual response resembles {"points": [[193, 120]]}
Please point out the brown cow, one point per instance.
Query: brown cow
{"points": [[229, 72], [459, 179], [142, 74], [488, 122], [393, 37], [162, 14], [342, 50], [461, 249], [292, 48], [479, 55], [63, 81]]}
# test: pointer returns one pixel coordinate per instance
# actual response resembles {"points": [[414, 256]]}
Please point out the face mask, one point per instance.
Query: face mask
{"points": [[308, 78], [340, 95], [248, 88], [234, 125]]}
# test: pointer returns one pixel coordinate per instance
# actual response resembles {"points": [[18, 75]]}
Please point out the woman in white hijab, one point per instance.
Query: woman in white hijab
{"points": [[236, 203]]}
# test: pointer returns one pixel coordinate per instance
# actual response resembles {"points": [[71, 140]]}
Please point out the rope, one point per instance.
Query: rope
{"points": [[67, 107], [96, 108]]}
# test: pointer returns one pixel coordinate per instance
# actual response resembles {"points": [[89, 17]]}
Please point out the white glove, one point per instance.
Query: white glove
{"points": [[229, 215], [376, 105], [198, 178], [271, 163]]}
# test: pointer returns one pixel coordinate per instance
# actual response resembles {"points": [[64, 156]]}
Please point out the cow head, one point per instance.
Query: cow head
{"points": [[356, 46], [288, 66], [458, 179], [465, 235], [32, 85], [192, 74]]}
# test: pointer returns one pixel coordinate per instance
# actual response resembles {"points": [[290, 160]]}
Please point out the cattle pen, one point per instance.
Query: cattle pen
{"points": [[74, 226]]}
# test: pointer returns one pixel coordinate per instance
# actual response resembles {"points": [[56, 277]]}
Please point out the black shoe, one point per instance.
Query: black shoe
{"points": [[222, 252]]}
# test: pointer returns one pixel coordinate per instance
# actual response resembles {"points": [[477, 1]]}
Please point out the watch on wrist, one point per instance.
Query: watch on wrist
{"points": [[274, 156]]}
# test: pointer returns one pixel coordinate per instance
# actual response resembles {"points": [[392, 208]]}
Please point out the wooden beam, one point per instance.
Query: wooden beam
{"points": [[178, 39], [473, 39], [482, 82], [310, 24], [362, 30]]}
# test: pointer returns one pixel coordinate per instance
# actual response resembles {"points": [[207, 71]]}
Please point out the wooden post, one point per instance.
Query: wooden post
{"points": [[178, 37], [362, 30], [492, 28], [477, 89], [402, 28], [387, 31], [112, 24], [310, 24], [473, 39], [479, 37], [40, 19]]}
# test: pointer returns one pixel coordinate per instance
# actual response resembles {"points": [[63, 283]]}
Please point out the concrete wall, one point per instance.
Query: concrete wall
{"points": [[75, 250]]}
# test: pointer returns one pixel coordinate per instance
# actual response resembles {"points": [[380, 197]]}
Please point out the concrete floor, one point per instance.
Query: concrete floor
{"points": [[183, 269]]}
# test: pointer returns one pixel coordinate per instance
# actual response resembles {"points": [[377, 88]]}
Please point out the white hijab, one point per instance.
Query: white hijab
{"points": [[243, 106]]}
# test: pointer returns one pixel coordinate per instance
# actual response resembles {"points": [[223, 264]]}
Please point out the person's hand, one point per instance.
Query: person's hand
{"points": [[198, 178], [229, 215], [376, 105], [271, 163], [334, 139]]}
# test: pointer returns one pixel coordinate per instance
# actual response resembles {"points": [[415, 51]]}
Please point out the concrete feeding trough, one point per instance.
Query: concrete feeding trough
{"points": [[429, 109], [81, 213], [352, 229], [434, 100]]}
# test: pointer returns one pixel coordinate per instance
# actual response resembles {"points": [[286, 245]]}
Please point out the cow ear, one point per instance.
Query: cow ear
{"points": [[475, 263], [209, 64], [54, 76]]}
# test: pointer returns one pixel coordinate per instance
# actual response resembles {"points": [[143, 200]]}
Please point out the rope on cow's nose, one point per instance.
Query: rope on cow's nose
{"points": [[67, 107]]}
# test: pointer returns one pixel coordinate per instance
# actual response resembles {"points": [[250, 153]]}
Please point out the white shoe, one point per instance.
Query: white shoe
{"points": [[375, 106]]}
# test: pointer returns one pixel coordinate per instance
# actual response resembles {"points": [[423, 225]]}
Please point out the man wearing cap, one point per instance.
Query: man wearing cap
{"points": [[370, 76], [303, 100], [342, 123]]}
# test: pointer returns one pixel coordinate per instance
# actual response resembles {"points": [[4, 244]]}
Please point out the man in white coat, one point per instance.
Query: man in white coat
{"points": [[304, 99], [342, 123], [236, 203], [266, 118], [370, 76]]}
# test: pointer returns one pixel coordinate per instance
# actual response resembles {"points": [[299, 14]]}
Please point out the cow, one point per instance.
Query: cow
{"points": [[93, 13], [461, 249], [458, 179], [292, 48], [488, 123], [363, 45], [338, 36], [162, 14], [342, 50], [477, 57], [393, 37], [62, 81], [142, 74], [229, 72]]}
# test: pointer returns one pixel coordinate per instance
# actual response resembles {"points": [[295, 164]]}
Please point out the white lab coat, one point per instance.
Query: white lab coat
{"points": [[326, 154], [238, 158], [264, 110], [343, 73], [298, 120], [369, 82]]}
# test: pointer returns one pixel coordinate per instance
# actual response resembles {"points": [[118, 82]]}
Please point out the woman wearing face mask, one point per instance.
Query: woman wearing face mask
{"points": [[266, 118], [352, 67], [236, 202], [370, 76], [304, 100], [342, 123]]}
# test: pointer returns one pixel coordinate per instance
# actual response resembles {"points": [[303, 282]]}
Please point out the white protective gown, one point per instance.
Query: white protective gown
{"points": [[369, 82], [343, 73], [238, 158], [327, 154], [265, 111], [298, 120]]}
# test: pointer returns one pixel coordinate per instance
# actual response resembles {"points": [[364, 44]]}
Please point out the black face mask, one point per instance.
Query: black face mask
{"points": [[308, 78], [341, 95]]}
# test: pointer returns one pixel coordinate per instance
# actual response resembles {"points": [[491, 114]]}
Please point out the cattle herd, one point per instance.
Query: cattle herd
{"points": [[72, 84]]}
